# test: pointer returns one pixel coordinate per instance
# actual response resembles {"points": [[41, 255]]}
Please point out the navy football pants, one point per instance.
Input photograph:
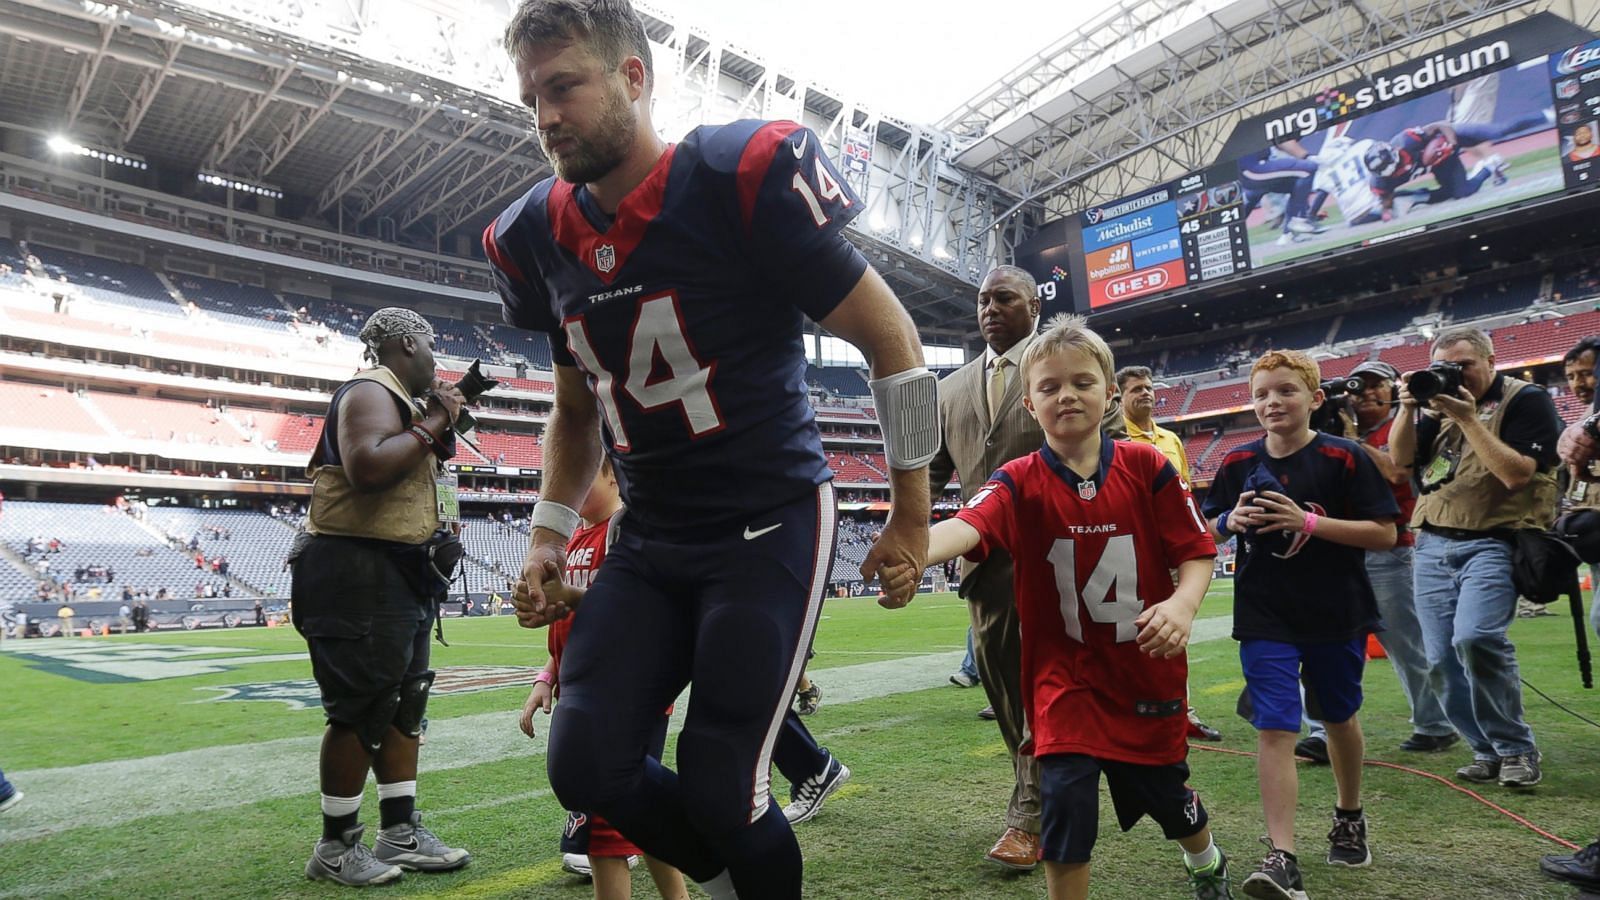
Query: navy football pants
{"points": [[734, 616]]}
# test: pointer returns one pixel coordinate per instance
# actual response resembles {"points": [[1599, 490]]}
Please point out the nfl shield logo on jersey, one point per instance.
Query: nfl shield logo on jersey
{"points": [[1087, 490], [605, 258]]}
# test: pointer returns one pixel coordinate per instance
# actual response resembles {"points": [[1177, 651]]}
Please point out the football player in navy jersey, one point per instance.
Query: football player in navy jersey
{"points": [[1436, 148], [674, 282], [1304, 505], [1096, 528]]}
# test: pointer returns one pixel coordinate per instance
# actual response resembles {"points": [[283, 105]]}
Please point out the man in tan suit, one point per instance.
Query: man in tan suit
{"points": [[986, 426]]}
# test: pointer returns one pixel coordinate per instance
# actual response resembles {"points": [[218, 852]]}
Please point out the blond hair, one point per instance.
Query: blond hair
{"points": [[1293, 360], [1064, 332]]}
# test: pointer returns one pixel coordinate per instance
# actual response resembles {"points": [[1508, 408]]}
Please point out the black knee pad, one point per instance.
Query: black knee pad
{"points": [[574, 760], [372, 723], [412, 704]]}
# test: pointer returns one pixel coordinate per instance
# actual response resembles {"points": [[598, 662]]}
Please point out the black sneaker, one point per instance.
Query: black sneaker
{"points": [[1278, 877], [1314, 748], [807, 701], [1430, 743], [1581, 868], [1347, 842], [1481, 771], [1521, 771]]}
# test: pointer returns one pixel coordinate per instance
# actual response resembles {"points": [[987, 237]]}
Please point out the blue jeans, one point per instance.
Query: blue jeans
{"points": [[969, 664], [1465, 603], [1390, 573]]}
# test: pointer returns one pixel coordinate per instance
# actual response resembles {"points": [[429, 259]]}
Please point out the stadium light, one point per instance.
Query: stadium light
{"points": [[61, 145], [223, 181]]}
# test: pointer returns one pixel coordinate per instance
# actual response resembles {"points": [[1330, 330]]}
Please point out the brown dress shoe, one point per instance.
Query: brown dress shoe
{"points": [[1016, 849]]}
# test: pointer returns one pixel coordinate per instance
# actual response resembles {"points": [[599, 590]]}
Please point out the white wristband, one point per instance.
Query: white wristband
{"points": [[557, 517]]}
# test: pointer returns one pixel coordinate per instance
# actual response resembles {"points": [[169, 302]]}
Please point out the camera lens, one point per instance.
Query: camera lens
{"points": [[1425, 385]]}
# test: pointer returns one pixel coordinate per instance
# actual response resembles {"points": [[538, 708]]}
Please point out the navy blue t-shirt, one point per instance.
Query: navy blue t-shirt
{"points": [[1291, 587], [686, 312]]}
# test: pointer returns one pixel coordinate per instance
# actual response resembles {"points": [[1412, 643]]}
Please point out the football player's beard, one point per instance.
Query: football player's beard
{"points": [[588, 160]]}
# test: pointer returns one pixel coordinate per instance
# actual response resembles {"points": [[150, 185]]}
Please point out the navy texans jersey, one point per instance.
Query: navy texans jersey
{"points": [[686, 312], [1292, 586]]}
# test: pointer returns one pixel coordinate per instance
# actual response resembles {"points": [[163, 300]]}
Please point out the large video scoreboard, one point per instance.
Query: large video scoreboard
{"points": [[1415, 148]]}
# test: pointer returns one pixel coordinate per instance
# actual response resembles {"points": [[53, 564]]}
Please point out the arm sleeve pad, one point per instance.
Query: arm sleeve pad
{"points": [[908, 413]]}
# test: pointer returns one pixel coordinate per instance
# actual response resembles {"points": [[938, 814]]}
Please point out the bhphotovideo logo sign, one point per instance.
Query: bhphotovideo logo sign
{"points": [[1334, 104], [303, 694]]}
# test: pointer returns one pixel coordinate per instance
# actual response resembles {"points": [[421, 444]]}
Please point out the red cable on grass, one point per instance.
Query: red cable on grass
{"points": [[1429, 775]]}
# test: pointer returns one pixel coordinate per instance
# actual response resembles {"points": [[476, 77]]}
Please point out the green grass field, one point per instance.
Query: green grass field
{"points": [[156, 788]]}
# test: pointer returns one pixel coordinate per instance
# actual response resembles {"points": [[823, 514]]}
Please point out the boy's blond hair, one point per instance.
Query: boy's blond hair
{"points": [[1293, 360], [1064, 332]]}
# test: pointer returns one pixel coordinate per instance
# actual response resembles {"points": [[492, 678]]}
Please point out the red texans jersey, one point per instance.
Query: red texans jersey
{"points": [[686, 313], [586, 550], [1091, 554]]}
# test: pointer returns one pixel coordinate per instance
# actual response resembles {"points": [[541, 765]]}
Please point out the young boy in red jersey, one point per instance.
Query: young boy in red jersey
{"points": [[1305, 506], [1096, 527], [608, 853]]}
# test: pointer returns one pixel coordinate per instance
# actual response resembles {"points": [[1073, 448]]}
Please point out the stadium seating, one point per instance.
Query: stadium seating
{"points": [[334, 316], [238, 304], [1379, 319], [37, 407], [1170, 400], [1548, 339], [1575, 284], [530, 345], [1224, 396], [850, 469], [109, 280], [1291, 337], [1340, 366], [279, 431], [1570, 407], [1203, 357], [510, 449], [150, 419], [1408, 357], [94, 535], [1195, 447], [256, 544], [456, 338], [1482, 301], [1206, 468], [840, 381]]}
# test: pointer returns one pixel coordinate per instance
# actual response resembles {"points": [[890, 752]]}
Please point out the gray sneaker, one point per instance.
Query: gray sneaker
{"points": [[348, 861], [1482, 771], [1520, 771], [414, 847]]}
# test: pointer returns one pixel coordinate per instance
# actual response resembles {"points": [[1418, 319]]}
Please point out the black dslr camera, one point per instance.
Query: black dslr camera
{"points": [[1438, 378], [473, 385], [1339, 397]]}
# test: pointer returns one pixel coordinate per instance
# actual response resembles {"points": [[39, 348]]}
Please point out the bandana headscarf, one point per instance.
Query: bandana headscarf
{"points": [[387, 324]]}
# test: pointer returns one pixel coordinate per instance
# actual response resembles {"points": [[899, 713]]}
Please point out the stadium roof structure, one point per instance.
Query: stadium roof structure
{"points": [[394, 120], [1150, 89]]}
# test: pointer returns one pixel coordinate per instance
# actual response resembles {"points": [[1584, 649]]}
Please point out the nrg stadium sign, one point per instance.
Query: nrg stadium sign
{"points": [[1537, 35]]}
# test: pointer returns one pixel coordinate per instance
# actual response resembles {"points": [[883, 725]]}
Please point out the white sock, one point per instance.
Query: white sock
{"points": [[397, 789], [340, 806], [1206, 857], [720, 887]]}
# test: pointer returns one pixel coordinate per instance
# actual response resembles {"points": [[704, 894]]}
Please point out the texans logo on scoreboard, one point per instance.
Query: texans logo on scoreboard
{"points": [[605, 258]]}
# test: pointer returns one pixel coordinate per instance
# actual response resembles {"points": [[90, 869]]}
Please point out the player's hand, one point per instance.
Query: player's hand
{"points": [[903, 544], [1407, 401], [1461, 407], [1246, 514], [1164, 629], [534, 609], [899, 586], [1279, 513], [446, 396], [538, 698]]}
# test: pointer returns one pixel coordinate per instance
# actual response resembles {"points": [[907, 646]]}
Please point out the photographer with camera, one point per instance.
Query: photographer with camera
{"points": [[1485, 451], [381, 540], [1374, 408]]}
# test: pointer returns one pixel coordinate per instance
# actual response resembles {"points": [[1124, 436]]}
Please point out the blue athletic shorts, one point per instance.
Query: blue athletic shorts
{"points": [[1274, 671]]}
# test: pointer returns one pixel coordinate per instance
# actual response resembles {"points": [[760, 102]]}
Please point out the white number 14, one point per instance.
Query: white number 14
{"points": [[1115, 578]]}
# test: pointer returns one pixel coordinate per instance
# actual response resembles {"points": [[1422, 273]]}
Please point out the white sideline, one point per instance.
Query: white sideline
{"points": [[189, 781]]}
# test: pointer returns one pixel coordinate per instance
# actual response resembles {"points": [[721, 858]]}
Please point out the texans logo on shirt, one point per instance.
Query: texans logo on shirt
{"points": [[1299, 539]]}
